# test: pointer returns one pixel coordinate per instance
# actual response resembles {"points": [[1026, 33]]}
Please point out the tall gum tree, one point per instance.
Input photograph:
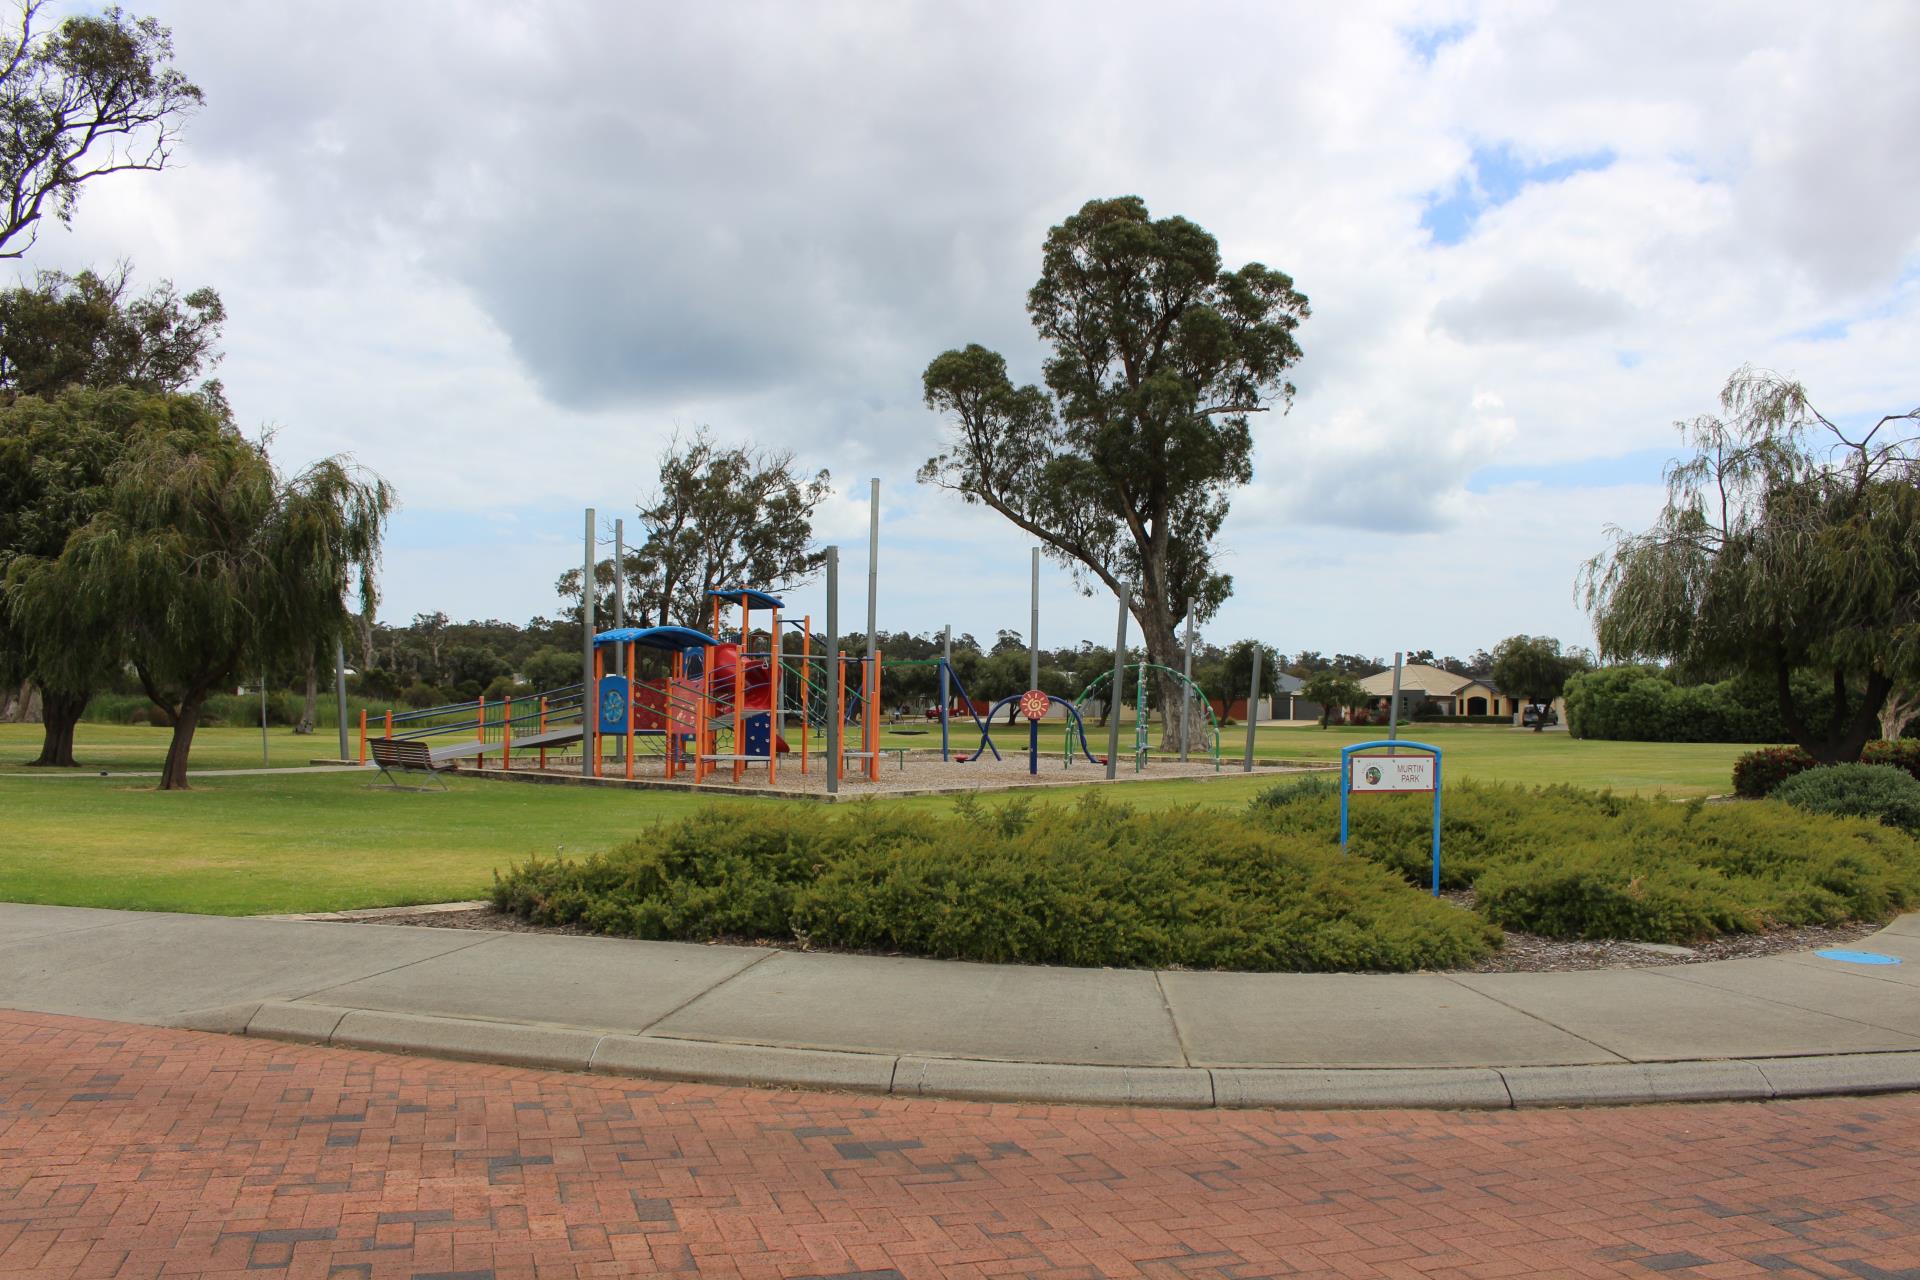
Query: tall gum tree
{"points": [[1125, 465], [1788, 541]]}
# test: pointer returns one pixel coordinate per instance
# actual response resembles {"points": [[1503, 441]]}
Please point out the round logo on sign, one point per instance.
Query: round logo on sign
{"points": [[613, 704], [1373, 775], [1034, 704]]}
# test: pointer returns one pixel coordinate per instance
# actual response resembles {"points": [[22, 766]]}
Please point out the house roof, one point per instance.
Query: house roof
{"points": [[1432, 681]]}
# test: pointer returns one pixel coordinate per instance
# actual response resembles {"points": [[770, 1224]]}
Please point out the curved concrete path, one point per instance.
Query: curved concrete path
{"points": [[1758, 1028]]}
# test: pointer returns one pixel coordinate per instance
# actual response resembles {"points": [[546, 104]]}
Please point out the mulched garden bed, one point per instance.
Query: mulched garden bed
{"points": [[1521, 952]]}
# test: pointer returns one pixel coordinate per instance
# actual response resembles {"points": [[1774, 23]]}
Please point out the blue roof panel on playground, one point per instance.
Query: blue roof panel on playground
{"points": [[656, 637], [747, 595]]}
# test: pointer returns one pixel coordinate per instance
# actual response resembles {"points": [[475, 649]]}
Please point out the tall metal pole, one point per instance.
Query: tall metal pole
{"points": [[1033, 641], [873, 567], [1186, 689], [588, 711], [620, 615], [946, 684], [836, 714], [1393, 712], [1113, 699], [340, 690], [1253, 708]]}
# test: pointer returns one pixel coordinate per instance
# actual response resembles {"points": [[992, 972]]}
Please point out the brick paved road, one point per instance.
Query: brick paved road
{"points": [[129, 1151]]}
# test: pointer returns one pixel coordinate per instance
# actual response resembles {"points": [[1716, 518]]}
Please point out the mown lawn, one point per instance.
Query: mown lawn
{"points": [[317, 842]]}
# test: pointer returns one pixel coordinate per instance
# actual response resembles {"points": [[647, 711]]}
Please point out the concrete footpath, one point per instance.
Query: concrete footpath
{"points": [[1787, 1025]]}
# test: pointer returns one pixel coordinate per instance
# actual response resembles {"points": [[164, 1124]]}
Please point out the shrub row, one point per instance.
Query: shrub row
{"points": [[1572, 863], [1758, 773], [1435, 718], [1887, 795], [1644, 704], [222, 709], [1089, 884]]}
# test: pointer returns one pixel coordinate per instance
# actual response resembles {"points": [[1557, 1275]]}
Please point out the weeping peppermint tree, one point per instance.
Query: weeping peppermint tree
{"points": [[211, 565], [1125, 465], [1787, 543]]}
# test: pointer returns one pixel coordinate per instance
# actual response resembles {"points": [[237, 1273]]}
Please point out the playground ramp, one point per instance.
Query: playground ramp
{"points": [[532, 742]]}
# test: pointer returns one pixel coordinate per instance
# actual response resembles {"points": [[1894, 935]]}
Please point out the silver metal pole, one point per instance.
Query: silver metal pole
{"points": [[1113, 698], [1033, 641], [1186, 690], [946, 684], [1253, 709], [588, 712], [340, 690], [1393, 712], [836, 713]]}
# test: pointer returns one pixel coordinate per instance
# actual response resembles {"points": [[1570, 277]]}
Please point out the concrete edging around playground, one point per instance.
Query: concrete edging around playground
{"points": [[984, 1080]]}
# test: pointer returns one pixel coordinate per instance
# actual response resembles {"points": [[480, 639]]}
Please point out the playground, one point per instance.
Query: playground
{"points": [[749, 701]]}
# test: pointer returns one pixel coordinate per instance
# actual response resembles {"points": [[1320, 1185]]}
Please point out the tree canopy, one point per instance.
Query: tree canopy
{"points": [[1333, 690], [209, 563], [97, 94], [1787, 542], [90, 330], [1535, 667], [720, 517], [1124, 467]]}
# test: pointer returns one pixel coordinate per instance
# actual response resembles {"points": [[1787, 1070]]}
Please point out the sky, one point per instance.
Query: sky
{"points": [[500, 254]]}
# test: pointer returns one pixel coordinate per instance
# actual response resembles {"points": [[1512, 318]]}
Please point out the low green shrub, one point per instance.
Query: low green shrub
{"points": [[1757, 773], [1882, 792], [1567, 862], [1090, 884], [1649, 704], [1434, 717]]}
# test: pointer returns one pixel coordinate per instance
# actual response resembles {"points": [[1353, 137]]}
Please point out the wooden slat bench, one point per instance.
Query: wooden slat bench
{"points": [[407, 757]]}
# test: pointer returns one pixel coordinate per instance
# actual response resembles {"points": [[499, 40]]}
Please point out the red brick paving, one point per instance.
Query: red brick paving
{"points": [[135, 1152]]}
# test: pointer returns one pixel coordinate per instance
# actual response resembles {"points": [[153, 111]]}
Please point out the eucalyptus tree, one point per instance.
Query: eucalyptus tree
{"points": [[1125, 466], [210, 563], [1787, 542], [95, 94]]}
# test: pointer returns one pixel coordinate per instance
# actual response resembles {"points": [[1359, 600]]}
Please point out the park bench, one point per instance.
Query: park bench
{"points": [[407, 757]]}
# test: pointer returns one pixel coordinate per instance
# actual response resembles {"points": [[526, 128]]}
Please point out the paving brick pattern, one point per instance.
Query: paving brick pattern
{"points": [[136, 1152]]}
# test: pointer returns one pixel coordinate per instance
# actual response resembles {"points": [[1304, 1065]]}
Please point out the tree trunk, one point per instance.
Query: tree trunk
{"points": [[173, 774], [1846, 736], [60, 712], [1902, 706]]}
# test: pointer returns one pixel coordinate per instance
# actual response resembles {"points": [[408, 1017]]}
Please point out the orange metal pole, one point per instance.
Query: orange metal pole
{"points": [[506, 734], [775, 683], [543, 732], [480, 724], [806, 674], [631, 650], [740, 695], [673, 689], [389, 728], [363, 735]]}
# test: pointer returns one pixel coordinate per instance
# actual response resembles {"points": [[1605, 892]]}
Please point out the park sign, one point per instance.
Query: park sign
{"points": [[1364, 768], [1390, 773]]}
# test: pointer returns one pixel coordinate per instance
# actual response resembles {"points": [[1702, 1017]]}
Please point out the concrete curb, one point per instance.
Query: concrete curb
{"points": [[1314, 1088]]}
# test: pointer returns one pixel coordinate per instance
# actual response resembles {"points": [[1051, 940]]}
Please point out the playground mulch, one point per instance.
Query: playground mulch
{"points": [[919, 772]]}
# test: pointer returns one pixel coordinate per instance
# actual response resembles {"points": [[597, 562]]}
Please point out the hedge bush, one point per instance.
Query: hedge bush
{"points": [[1646, 704], [1090, 884], [1902, 754], [1757, 773], [1437, 718], [1878, 791], [1566, 862]]}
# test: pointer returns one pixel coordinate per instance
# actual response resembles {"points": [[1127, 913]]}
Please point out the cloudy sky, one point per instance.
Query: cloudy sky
{"points": [[500, 253]]}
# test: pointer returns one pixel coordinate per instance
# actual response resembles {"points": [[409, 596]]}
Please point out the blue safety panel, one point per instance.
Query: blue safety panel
{"points": [[759, 735]]}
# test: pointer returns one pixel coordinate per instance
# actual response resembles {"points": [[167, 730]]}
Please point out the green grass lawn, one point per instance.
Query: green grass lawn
{"points": [[316, 842]]}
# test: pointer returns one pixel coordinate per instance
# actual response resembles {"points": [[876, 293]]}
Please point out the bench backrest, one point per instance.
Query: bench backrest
{"points": [[405, 755]]}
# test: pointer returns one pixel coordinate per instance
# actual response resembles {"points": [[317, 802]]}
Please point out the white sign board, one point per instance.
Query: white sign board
{"points": [[1391, 773]]}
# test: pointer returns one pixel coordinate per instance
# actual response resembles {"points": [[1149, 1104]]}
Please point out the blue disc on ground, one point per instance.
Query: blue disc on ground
{"points": [[1857, 957]]}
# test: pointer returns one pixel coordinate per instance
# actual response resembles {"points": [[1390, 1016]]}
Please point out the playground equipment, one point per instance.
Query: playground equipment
{"points": [[1141, 722]]}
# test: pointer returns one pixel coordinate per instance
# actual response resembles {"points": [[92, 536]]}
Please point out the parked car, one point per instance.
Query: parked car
{"points": [[1537, 715]]}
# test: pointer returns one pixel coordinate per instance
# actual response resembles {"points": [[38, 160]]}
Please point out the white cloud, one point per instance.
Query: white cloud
{"points": [[501, 253]]}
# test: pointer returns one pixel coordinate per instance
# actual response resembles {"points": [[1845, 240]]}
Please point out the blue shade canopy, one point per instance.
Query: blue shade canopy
{"points": [[669, 638], [758, 599]]}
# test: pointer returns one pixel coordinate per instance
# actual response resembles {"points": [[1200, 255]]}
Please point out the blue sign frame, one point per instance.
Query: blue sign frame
{"points": [[1346, 788]]}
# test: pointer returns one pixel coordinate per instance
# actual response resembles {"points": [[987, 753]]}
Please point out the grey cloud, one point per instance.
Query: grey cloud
{"points": [[1531, 304]]}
